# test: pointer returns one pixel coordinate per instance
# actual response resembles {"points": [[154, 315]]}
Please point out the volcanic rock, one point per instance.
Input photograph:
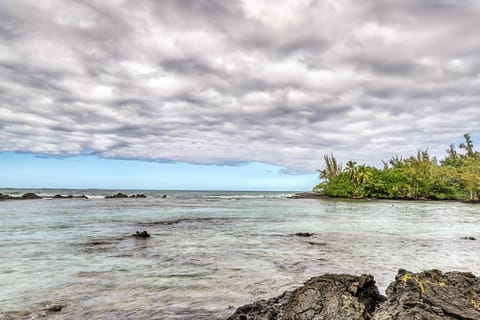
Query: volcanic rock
{"points": [[431, 295]]}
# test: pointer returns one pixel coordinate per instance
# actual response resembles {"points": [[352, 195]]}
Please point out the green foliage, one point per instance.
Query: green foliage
{"points": [[340, 186], [331, 169], [456, 177]]}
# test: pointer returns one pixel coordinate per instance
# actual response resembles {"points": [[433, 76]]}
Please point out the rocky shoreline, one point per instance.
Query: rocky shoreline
{"points": [[429, 294], [306, 195], [34, 196], [313, 195]]}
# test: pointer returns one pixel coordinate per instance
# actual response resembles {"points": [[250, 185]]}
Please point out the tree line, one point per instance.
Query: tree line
{"points": [[420, 176]]}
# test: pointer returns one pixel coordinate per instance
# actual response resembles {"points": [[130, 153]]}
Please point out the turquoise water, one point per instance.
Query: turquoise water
{"points": [[211, 251]]}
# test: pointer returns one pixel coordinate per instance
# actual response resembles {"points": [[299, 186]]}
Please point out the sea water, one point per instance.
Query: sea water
{"points": [[210, 252]]}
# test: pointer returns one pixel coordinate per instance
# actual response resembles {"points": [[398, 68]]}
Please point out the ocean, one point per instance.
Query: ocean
{"points": [[210, 251]]}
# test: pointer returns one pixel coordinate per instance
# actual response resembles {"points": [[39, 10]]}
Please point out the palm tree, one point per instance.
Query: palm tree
{"points": [[468, 145], [451, 152], [363, 174], [396, 161], [331, 169], [350, 168]]}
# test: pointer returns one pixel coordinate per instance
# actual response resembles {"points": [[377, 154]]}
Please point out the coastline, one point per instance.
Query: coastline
{"points": [[313, 195], [297, 195], [430, 294]]}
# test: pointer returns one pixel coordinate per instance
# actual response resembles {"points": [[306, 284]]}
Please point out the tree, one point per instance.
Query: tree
{"points": [[452, 152], [419, 171], [350, 168], [364, 174], [470, 176], [396, 161], [453, 158], [468, 146], [331, 169]]}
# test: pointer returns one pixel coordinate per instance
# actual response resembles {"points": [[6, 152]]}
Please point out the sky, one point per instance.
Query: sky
{"points": [[221, 94]]}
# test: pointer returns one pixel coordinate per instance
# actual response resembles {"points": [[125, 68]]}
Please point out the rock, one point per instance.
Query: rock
{"points": [[304, 234], [138, 195], [331, 296], [314, 243], [118, 195], [305, 195], [55, 308], [30, 195], [123, 195], [4, 196], [143, 234], [164, 196], [469, 238], [59, 196], [264, 309], [38, 312], [432, 295]]}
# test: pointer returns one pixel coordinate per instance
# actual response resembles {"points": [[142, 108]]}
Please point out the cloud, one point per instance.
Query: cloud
{"points": [[230, 82]]}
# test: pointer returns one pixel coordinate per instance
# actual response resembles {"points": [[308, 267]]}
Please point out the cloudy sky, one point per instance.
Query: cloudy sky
{"points": [[239, 84]]}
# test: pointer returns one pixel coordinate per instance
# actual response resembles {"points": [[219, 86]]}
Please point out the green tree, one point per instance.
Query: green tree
{"points": [[331, 169], [470, 176], [419, 169], [467, 145], [351, 169]]}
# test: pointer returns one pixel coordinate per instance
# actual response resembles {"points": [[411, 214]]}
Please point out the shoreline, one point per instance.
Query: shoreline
{"points": [[298, 195], [313, 195], [34, 196], [430, 294]]}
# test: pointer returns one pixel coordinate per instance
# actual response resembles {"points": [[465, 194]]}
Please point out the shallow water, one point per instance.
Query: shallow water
{"points": [[211, 251]]}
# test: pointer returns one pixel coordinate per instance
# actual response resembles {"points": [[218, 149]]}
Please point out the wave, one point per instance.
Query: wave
{"points": [[245, 196], [94, 196]]}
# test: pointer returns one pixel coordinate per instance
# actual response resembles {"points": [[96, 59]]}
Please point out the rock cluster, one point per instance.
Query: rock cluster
{"points": [[32, 196], [426, 295], [143, 235], [26, 196], [306, 195], [121, 195], [59, 196]]}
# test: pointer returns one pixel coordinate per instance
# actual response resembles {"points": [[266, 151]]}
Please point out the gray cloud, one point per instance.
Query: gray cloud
{"points": [[228, 82]]}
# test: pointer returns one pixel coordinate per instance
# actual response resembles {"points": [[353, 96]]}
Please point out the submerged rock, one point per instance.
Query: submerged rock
{"points": [[45, 311], [304, 234], [331, 296], [429, 295], [55, 308], [143, 234]]}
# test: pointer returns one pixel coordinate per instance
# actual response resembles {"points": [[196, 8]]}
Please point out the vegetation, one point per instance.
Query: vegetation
{"points": [[456, 177]]}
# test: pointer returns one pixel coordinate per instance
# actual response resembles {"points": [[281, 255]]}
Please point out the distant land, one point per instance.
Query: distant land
{"points": [[420, 176]]}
